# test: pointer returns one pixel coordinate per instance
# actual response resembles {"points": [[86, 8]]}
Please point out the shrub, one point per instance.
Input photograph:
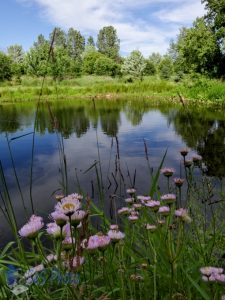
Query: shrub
{"points": [[5, 67], [105, 66]]}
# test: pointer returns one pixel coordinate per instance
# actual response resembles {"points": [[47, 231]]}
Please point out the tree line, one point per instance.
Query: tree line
{"points": [[199, 49]]}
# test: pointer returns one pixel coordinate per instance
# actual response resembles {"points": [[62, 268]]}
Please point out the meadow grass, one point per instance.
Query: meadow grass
{"points": [[199, 90]]}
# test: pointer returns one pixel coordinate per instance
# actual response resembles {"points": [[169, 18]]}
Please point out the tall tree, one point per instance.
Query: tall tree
{"points": [[134, 65], [108, 42], [16, 54], [75, 43], [5, 67], [90, 41], [59, 37], [196, 49]]}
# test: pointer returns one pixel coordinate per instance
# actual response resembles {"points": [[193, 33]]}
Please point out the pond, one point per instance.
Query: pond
{"points": [[112, 132]]}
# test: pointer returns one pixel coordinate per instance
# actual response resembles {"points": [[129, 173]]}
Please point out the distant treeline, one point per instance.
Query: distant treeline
{"points": [[199, 49]]}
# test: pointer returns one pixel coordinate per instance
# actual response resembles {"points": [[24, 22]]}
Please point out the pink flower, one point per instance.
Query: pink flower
{"points": [[168, 172], [96, 241], [77, 217], [168, 198], [188, 163], [69, 205], [55, 231], [124, 211], [207, 271], [133, 217], [114, 233], [129, 200], [154, 205], [182, 213], [31, 229], [60, 218], [178, 181], [131, 191], [68, 243], [137, 206], [197, 158], [184, 152], [143, 199], [164, 210], [75, 263]]}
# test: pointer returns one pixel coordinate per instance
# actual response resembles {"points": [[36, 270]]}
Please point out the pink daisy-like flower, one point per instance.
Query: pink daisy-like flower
{"points": [[164, 210], [168, 172], [168, 198], [31, 229], [133, 217], [114, 233], [188, 163], [143, 199], [223, 297], [197, 158], [153, 204], [59, 217], [131, 191], [178, 181], [68, 205], [129, 200], [207, 271], [137, 206], [77, 217], [68, 243], [55, 231], [96, 241], [124, 211], [182, 213]]}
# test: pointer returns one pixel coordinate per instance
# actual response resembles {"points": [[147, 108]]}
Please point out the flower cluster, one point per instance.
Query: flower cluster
{"points": [[212, 274]]}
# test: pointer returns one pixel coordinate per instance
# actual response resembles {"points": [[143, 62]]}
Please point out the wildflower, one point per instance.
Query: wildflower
{"points": [[31, 229], [182, 213], [153, 205], [50, 258], [197, 158], [68, 243], [129, 200], [161, 222], [96, 241], [212, 274], [114, 233], [55, 231], [124, 211], [144, 266], [137, 206], [223, 297], [184, 152], [75, 263], [69, 205], [164, 210], [168, 172], [59, 217], [168, 198], [133, 217], [131, 192], [150, 227], [178, 181], [143, 199], [188, 163], [77, 217], [207, 271]]}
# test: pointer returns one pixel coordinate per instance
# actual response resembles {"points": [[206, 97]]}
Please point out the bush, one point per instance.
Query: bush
{"points": [[5, 67], [166, 68], [105, 66], [89, 62], [149, 68]]}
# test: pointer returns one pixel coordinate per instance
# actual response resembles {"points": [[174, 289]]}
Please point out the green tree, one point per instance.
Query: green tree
{"points": [[166, 68], [59, 38], [60, 63], [89, 59], [150, 68], [155, 58], [5, 67], [105, 66], [134, 65], [16, 54], [90, 42], [108, 42], [196, 49], [75, 43], [36, 59]]}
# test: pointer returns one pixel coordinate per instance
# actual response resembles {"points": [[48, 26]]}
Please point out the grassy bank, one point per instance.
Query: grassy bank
{"points": [[201, 90]]}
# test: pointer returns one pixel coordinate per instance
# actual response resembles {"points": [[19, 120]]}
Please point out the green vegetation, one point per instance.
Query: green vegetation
{"points": [[193, 88]]}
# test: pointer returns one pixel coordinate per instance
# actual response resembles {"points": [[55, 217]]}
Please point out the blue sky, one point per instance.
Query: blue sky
{"points": [[146, 25]]}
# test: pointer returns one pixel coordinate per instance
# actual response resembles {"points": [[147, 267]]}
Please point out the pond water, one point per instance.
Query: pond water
{"points": [[110, 131]]}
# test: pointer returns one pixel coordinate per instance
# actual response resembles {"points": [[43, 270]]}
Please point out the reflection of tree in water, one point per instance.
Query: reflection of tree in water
{"points": [[110, 120], [13, 117], [69, 119], [205, 133]]}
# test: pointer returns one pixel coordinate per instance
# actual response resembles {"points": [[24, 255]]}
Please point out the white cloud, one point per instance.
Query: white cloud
{"points": [[142, 24]]}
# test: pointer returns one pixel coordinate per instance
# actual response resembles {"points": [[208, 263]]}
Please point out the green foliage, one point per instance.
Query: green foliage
{"points": [[108, 42], [134, 65], [150, 68], [5, 67], [60, 39], [75, 43], [105, 66], [16, 55], [89, 60], [196, 49], [90, 42], [60, 63], [155, 58], [166, 68]]}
